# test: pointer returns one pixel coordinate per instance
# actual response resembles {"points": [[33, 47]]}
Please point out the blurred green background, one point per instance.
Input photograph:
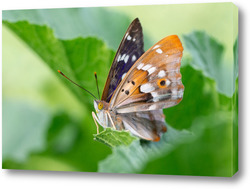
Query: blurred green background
{"points": [[47, 122]]}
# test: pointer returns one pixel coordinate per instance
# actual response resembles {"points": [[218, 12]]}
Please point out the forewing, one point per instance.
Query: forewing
{"points": [[146, 125], [154, 81], [130, 49]]}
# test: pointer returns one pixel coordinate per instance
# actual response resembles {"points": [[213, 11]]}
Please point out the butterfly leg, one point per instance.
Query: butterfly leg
{"points": [[95, 118], [111, 120]]}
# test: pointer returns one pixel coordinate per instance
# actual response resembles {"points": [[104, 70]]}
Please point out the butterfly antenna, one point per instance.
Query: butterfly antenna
{"points": [[76, 84], [97, 85]]}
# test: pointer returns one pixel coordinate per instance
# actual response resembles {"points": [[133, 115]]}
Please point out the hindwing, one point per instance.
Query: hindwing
{"points": [[148, 125]]}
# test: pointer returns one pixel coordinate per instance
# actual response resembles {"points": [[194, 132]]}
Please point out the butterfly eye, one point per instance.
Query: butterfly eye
{"points": [[100, 105]]}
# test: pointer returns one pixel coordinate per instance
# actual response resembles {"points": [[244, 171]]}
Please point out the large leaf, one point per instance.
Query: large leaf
{"points": [[78, 22], [72, 57], [207, 56], [133, 158], [200, 97], [210, 154]]}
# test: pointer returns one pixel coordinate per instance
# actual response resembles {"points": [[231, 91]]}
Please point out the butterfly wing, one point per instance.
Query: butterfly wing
{"points": [[147, 125], [130, 49], [154, 81]]}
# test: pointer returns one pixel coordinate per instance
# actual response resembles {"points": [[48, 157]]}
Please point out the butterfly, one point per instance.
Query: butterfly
{"points": [[140, 85]]}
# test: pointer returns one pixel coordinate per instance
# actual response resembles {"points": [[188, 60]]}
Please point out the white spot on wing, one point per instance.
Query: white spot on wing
{"points": [[153, 107], [146, 88], [159, 51], [123, 56], [168, 82], [119, 57], [129, 37], [161, 74], [180, 93], [146, 67], [151, 70], [123, 75], [133, 58], [140, 66], [174, 94], [126, 59], [154, 94], [156, 46], [134, 39]]}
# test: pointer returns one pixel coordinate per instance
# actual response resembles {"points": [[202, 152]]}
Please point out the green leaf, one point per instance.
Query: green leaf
{"points": [[181, 148], [210, 154], [62, 134], [72, 57], [207, 56], [113, 138], [206, 52], [77, 22], [24, 128], [89, 54], [200, 97], [133, 158]]}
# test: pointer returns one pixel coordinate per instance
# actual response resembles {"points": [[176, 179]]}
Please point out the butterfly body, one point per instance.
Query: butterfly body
{"points": [[140, 85], [147, 125]]}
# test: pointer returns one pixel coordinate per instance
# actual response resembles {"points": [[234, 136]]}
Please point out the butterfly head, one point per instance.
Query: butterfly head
{"points": [[99, 105]]}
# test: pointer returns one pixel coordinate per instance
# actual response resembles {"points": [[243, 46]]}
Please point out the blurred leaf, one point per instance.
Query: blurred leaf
{"points": [[39, 162], [68, 145], [206, 52], [113, 138], [77, 22], [133, 158], [210, 154], [24, 128], [72, 57], [200, 98], [207, 56], [62, 134], [92, 55]]}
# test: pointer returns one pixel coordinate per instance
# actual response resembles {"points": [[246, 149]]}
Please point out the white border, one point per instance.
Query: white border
{"points": [[40, 179]]}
